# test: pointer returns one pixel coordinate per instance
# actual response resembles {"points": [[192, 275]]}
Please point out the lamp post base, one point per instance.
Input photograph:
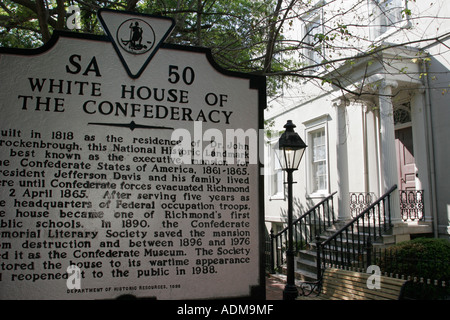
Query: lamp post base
{"points": [[290, 292]]}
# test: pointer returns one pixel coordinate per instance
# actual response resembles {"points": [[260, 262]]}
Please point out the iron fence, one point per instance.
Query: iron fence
{"points": [[309, 225], [412, 205]]}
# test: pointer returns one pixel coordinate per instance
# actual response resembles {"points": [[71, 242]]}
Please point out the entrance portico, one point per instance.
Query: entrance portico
{"points": [[385, 142]]}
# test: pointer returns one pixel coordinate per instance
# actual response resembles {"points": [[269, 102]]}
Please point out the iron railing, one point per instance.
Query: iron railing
{"points": [[426, 278], [371, 219], [348, 246], [359, 201], [412, 205], [305, 228]]}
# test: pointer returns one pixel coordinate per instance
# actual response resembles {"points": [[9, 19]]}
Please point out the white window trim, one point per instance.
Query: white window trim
{"points": [[309, 53], [311, 126], [273, 163], [392, 29], [316, 16]]}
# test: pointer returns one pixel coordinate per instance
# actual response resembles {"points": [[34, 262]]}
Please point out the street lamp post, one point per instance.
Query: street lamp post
{"points": [[290, 152]]}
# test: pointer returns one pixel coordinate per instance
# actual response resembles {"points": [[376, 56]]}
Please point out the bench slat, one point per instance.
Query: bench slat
{"points": [[351, 285], [365, 276], [361, 284], [357, 293]]}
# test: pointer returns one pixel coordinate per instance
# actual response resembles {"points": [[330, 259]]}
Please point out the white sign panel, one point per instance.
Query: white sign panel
{"points": [[122, 176]]}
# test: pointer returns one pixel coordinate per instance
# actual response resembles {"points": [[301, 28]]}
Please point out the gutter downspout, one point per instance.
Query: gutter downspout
{"points": [[366, 153], [430, 149]]}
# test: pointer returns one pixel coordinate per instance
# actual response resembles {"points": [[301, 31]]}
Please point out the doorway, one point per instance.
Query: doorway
{"points": [[405, 159]]}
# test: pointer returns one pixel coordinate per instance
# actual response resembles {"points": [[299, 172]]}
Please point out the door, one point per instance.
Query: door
{"points": [[405, 159]]}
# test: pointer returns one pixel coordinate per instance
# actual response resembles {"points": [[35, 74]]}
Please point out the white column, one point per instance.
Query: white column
{"points": [[421, 150], [372, 149], [389, 175], [342, 162]]}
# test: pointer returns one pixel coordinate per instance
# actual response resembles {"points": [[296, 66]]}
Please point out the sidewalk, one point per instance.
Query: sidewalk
{"points": [[275, 284], [274, 288]]}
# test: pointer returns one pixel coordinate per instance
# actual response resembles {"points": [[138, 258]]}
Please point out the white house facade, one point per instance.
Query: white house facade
{"points": [[380, 119]]}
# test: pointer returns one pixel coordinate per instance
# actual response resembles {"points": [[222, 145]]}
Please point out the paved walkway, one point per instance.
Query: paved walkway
{"points": [[274, 288], [275, 285]]}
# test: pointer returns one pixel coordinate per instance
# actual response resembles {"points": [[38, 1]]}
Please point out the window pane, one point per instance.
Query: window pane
{"points": [[319, 151], [276, 179], [314, 50], [279, 188], [318, 174], [391, 13]]}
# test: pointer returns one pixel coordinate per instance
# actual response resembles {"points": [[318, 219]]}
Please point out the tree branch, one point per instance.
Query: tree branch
{"points": [[42, 18]]}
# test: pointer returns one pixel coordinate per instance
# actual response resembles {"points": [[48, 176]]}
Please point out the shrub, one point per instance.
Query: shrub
{"points": [[422, 257], [426, 258]]}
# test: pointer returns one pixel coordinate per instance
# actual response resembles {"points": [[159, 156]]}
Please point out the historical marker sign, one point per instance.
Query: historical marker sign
{"points": [[128, 167]]}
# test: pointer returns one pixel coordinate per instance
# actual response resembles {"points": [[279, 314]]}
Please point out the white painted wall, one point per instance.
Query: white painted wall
{"points": [[428, 91]]}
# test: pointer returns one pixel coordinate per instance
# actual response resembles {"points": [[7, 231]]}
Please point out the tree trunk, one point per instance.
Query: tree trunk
{"points": [[198, 41], [271, 39], [42, 18], [61, 14]]}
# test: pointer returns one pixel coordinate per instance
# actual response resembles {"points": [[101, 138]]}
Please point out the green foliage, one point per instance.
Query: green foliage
{"points": [[21, 29], [251, 36], [269, 129], [237, 31], [422, 257], [426, 258], [232, 29]]}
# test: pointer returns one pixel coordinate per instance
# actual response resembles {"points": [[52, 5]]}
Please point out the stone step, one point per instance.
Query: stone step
{"points": [[301, 275], [306, 260], [306, 265], [307, 255], [304, 275]]}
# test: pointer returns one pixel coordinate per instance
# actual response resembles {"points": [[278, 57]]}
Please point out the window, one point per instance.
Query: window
{"points": [[388, 14], [276, 182], [392, 13], [313, 52], [317, 157], [319, 178]]}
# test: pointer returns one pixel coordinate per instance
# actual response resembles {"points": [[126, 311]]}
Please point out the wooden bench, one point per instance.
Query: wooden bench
{"points": [[340, 284]]}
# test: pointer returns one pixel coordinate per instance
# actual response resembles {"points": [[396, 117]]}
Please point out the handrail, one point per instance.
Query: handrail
{"points": [[310, 211], [306, 227], [315, 207], [362, 214], [353, 244]]}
